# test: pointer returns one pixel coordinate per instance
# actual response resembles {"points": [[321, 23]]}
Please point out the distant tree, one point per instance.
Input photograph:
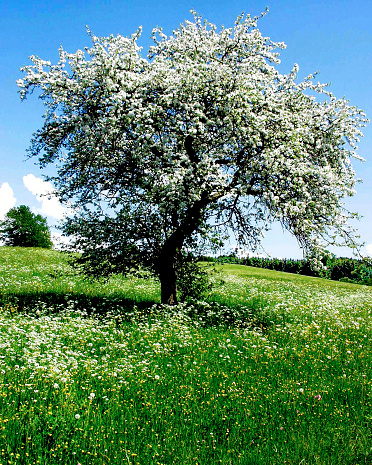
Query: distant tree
{"points": [[22, 228], [202, 137]]}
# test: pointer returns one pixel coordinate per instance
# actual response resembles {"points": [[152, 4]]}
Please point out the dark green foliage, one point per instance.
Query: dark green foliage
{"points": [[22, 228], [193, 279], [339, 268], [108, 245], [349, 270]]}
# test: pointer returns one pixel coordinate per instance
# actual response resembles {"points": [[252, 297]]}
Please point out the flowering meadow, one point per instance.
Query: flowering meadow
{"points": [[271, 368]]}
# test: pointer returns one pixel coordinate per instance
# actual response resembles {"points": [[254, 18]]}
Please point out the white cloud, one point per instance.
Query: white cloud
{"points": [[7, 199], [369, 249], [50, 205]]}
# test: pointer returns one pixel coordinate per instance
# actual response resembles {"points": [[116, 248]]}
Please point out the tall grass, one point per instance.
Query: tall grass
{"points": [[268, 370]]}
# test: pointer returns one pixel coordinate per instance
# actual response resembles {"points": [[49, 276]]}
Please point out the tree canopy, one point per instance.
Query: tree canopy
{"points": [[202, 137], [22, 228]]}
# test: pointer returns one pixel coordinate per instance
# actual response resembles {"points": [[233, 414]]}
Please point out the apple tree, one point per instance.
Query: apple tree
{"points": [[201, 137]]}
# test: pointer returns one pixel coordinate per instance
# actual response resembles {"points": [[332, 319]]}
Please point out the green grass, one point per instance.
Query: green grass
{"points": [[253, 272], [276, 371]]}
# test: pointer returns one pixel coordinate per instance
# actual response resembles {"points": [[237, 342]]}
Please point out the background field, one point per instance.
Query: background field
{"points": [[271, 368]]}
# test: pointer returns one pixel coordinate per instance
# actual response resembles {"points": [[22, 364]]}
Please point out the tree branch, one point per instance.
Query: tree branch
{"points": [[190, 149]]}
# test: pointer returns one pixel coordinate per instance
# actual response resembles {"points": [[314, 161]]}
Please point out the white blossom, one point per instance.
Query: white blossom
{"points": [[203, 133]]}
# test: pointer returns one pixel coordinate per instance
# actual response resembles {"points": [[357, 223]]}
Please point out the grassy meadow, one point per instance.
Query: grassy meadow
{"points": [[271, 368]]}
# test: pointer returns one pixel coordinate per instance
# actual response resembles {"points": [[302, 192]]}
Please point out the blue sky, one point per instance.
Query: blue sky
{"points": [[333, 37]]}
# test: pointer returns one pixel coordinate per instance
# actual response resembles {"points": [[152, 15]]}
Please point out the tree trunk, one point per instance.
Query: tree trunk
{"points": [[168, 280], [167, 259]]}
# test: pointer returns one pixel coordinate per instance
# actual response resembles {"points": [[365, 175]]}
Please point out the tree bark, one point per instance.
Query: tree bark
{"points": [[168, 279], [167, 260]]}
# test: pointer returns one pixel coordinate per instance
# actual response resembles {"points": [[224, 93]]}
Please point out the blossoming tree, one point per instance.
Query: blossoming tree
{"points": [[201, 137]]}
